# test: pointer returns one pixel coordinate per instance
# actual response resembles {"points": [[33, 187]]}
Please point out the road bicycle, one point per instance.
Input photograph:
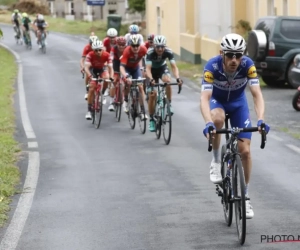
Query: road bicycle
{"points": [[27, 39], [18, 34], [135, 110], [97, 105], [43, 44], [162, 116], [232, 188], [118, 99]]}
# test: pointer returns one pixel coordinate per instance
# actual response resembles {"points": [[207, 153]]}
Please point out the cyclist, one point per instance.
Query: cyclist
{"points": [[149, 43], [157, 68], [131, 64], [87, 49], [25, 26], [223, 92], [133, 30], [34, 26], [110, 40], [115, 53], [97, 60], [15, 19], [41, 25]]}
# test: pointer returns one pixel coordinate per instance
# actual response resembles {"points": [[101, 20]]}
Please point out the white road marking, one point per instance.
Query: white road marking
{"points": [[294, 148], [32, 144], [15, 228]]}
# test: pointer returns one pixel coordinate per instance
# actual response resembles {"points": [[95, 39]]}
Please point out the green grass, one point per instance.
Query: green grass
{"points": [[189, 70], [8, 2], [292, 133], [9, 173]]}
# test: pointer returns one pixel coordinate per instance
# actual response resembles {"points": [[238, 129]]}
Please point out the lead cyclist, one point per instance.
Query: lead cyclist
{"points": [[225, 78]]}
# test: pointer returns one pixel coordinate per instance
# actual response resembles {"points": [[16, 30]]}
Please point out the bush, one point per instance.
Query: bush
{"points": [[30, 7]]}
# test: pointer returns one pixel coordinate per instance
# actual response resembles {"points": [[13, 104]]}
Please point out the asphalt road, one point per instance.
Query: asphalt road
{"points": [[114, 188]]}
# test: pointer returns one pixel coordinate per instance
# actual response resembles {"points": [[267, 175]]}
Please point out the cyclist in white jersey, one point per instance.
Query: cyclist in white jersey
{"points": [[133, 30]]}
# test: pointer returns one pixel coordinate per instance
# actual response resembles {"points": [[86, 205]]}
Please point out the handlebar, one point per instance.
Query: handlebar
{"points": [[166, 83], [100, 80], [237, 131]]}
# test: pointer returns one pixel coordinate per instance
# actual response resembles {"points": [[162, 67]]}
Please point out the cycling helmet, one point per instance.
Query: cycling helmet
{"points": [[134, 28], [151, 37], [233, 42], [24, 14], [160, 40], [97, 44], [134, 40], [121, 40], [40, 17], [92, 39], [112, 32], [16, 11]]}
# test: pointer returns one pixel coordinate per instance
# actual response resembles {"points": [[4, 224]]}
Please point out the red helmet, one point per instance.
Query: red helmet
{"points": [[151, 37], [121, 40]]}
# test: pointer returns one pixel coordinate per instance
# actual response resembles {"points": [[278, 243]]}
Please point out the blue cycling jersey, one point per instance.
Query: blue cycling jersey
{"points": [[224, 88]]}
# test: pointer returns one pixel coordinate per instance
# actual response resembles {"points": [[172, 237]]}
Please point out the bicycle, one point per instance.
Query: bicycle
{"points": [[97, 105], [27, 39], [162, 116], [118, 99], [18, 34], [233, 180], [134, 105]]}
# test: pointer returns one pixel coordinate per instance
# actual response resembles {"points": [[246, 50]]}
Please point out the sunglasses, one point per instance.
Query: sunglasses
{"points": [[135, 46], [159, 47], [97, 50], [230, 55]]}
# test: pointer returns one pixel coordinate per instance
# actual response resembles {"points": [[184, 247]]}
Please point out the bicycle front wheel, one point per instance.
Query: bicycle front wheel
{"points": [[167, 121], [98, 108], [142, 122], [158, 121], [132, 110], [119, 103], [240, 199]]}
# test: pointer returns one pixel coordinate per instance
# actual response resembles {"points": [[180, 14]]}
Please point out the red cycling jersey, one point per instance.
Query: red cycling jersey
{"points": [[107, 44], [98, 62], [131, 60], [115, 53], [147, 45], [86, 50]]}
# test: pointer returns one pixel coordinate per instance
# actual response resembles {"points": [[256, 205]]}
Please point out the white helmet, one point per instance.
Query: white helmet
{"points": [[160, 40], [92, 39], [233, 42], [134, 40], [97, 44], [40, 17], [112, 32]]}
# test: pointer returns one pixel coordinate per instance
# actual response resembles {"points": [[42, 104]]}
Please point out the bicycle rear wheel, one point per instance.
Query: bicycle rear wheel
{"points": [[167, 121], [240, 202], [119, 103], [132, 110], [227, 205], [98, 109]]}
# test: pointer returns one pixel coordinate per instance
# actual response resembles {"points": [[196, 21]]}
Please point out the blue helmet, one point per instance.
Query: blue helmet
{"points": [[133, 29]]}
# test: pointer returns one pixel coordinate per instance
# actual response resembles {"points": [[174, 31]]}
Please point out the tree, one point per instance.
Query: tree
{"points": [[137, 5]]}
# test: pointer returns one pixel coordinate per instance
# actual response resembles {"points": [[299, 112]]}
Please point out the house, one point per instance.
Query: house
{"points": [[194, 28]]}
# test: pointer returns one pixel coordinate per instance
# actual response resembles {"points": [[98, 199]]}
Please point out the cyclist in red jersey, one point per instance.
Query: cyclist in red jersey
{"points": [[87, 48], [149, 43], [110, 40], [131, 65], [115, 53], [95, 67]]}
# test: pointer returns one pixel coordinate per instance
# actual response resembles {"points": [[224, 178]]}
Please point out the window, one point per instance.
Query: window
{"points": [[266, 25], [290, 29], [112, 12]]}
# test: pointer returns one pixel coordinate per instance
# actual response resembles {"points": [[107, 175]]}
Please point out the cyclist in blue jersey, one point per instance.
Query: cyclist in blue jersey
{"points": [[223, 92]]}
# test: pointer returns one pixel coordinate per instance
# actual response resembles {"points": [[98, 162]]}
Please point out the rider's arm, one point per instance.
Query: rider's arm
{"points": [[122, 70], [82, 62], [110, 66], [174, 69], [88, 65], [123, 63], [253, 82], [206, 93]]}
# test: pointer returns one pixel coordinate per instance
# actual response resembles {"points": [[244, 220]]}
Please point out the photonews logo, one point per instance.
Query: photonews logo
{"points": [[265, 238]]}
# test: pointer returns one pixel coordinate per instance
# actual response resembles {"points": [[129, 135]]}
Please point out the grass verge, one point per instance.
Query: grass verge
{"points": [[189, 70], [9, 173], [76, 27], [288, 131]]}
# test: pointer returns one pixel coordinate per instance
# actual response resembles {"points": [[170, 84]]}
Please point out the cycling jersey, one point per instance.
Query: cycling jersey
{"points": [[147, 44], [87, 49], [41, 24], [16, 17], [96, 61], [224, 88], [26, 21], [115, 55], [128, 35], [130, 59], [157, 61], [107, 44], [228, 92]]}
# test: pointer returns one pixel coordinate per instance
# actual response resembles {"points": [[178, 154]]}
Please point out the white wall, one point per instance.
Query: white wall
{"points": [[215, 18]]}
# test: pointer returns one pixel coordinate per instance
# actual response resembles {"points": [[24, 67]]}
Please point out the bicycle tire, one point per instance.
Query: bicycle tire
{"points": [[142, 123], [227, 205], [296, 101], [167, 119], [158, 121], [240, 205], [98, 111], [119, 103], [132, 111]]}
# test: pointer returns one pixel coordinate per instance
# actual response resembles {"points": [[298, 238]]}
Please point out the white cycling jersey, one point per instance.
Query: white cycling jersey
{"points": [[16, 16]]}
